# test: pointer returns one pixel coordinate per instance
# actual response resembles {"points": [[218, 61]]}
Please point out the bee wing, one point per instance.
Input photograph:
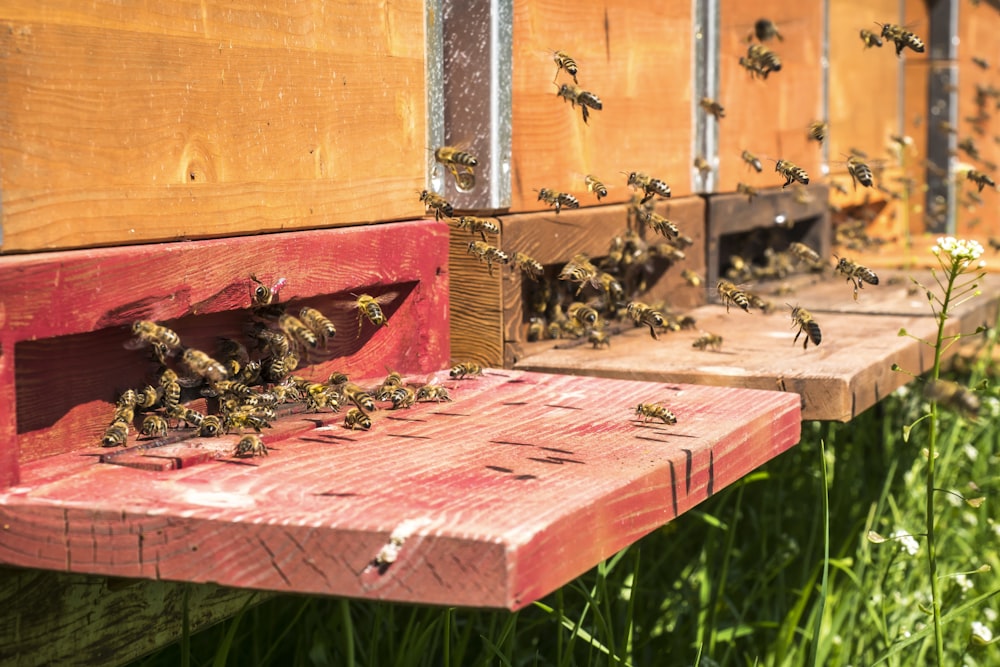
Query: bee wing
{"points": [[135, 344]]}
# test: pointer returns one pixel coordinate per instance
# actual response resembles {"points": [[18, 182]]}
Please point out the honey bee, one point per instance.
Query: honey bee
{"points": [[649, 186], [355, 419], [595, 186], [804, 253], [765, 29], [453, 157], [488, 253], [817, 131], [358, 396], [691, 278], [707, 340], [660, 224], [870, 38], [530, 266], [610, 285], [432, 392], [791, 173], [442, 208], [123, 413], [318, 324], [857, 274], [337, 378], [666, 251], [759, 302], [164, 342], [803, 319], [536, 330], [712, 107], [644, 314], [752, 160], [761, 61], [476, 225], [154, 426], [981, 62], [247, 418], [402, 397], [579, 270], [980, 179], [276, 368], [748, 190], [599, 339], [146, 398], [171, 388], [968, 145], [250, 446], [467, 368], [210, 427], [577, 95], [116, 435], [703, 167], [558, 200], [953, 396], [204, 365], [583, 314], [369, 308], [563, 61], [651, 411], [859, 171], [901, 37], [731, 294]]}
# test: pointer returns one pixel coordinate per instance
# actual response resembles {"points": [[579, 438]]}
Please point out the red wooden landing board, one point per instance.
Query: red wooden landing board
{"points": [[521, 483]]}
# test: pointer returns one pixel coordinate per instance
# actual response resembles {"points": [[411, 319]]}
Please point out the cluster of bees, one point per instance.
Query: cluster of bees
{"points": [[244, 384]]}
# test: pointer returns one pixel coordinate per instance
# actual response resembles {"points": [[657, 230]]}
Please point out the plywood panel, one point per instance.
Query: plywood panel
{"points": [[124, 124], [636, 57]]}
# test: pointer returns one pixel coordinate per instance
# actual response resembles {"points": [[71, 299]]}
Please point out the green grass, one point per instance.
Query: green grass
{"points": [[774, 570]]}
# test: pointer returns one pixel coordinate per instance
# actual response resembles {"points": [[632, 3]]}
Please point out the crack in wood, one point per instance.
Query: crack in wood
{"points": [[673, 488], [274, 563]]}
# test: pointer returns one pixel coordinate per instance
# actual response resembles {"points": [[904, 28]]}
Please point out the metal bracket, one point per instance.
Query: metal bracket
{"points": [[942, 105], [705, 141]]}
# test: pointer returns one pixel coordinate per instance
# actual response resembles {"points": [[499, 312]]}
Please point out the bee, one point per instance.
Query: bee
{"points": [[748, 190], [595, 186], [476, 225], [358, 396], [817, 131], [761, 61], [703, 167], [649, 186], [611, 286], [759, 302], [250, 446], [583, 314], [752, 160], [599, 339], [667, 251], [432, 392], [765, 29], [578, 270], [536, 330], [563, 61], [318, 324], [116, 435], [467, 368], [804, 253], [442, 208], [204, 365], [262, 295], [691, 278], [488, 253], [247, 418], [731, 294], [276, 368], [643, 314], [402, 397], [838, 186], [171, 389], [210, 427], [453, 158], [968, 145], [859, 171], [980, 179], [296, 330], [650, 411], [981, 62], [577, 95], [558, 200], [356, 419], [870, 38], [146, 398], [164, 342], [857, 274], [369, 308], [686, 322], [953, 396], [154, 426], [659, 224], [901, 37], [791, 173], [708, 340], [530, 266], [803, 319], [123, 413], [712, 107]]}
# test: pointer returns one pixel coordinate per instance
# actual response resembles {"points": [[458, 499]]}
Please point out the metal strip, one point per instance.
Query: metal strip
{"points": [[824, 166], [942, 105], [434, 59], [705, 142]]}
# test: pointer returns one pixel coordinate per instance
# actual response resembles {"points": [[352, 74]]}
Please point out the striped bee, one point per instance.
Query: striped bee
{"points": [[476, 225], [563, 61], [791, 173], [530, 266], [356, 419], [980, 179], [748, 190], [599, 338], [710, 106], [860, 172], [595, 186], [870, 39], [731, 294], [558, 200], [761, 61], [817, 130], [577, 95], [708, 340], [643, 314], [460, 163], [467, 368], [649, 186], [318, 324], [804, 253], [442, 208], [752, 160], [250, 446], [650, 411], [154, 426], [691, 278], [488, 253], [579, 270], [901, 37], [857, 274], [204, 365], [262, 295], [369, 308], [659, 224], [803, 319]]}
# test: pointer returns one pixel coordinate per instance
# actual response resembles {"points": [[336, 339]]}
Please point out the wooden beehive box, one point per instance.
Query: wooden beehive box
{"points": [[122, 123]]}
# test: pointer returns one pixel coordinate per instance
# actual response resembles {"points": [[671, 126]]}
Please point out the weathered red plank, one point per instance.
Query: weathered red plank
{"points": [[493, 487]]}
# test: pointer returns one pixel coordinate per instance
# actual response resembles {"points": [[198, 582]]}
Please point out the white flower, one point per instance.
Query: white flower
{"points": [[981, 632], [959, 249], [963, 582], [906, 541], [970, 451]]}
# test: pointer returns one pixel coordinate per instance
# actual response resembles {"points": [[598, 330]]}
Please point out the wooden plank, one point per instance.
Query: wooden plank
{"points": [[66, 315], [475, 298], [624, 50], [130, 123], [769, 118], [313, 516], [49, 618]]}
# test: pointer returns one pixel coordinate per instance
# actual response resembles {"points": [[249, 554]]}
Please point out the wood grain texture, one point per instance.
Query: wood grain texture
{"points": [[123, 123], [636, 57], [66, 315], [102, 620], [475, 298], [769, 117], [313, 515]]}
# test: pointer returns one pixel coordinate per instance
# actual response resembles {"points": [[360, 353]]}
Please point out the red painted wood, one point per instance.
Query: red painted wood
{"points": [[10, 452], [497, 488]]}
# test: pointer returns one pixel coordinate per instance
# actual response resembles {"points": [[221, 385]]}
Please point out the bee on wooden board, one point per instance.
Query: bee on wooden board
{"points": [[953, 396], [791, 173], [653, 411], [355, 420], [536, 330], [599, 338], [860, 172], [432, 392], [901, 37], [650, 186], [803, 319], [564, 62], [870, 39], [488, 253], [558, 200], [764, 29], [980, 179], [475, 225], [708, 340], [261, 295], [153, 426], [465, 369], [250, 446], [731, 294], [713, 108], [369, 309], [595, 186], [817, 130], [442, 208], [748, 190], [856, 273], [116, 435], [584, 98], [752, 160], [528, 265]]}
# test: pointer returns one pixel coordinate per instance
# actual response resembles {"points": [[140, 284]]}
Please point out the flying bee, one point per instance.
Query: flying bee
{"points": [[803, 319], [691, 278], [761, 60], [563, 61], [275, 342], [453, 157], [432, 392], [442, 208], [204, 365], [296, 330], [154, 426], [369, 308], [791, 173], [870, 39], [968, 145], [644, 314], [981, 62], [579, 270], [667, 251], [476, 225], [318, 324], [164, 342], [262, 295], [703, 167], [116, 435], [759, 302], [859, 171], [650, 186], [707, 340], [710, 106], [804, 253], [748, 190], [250, 446], [660, 224], [577, 95], [651, 411], [817, 131], [607, 283], [980, 179], [355, 419], [464, 369], [530, 266], [488, 253], [901, 37], [731, 294], [765, 29], [752, 160], [595, 186], [558, 200], [857, 274], [953, 396], [753, 67]]}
